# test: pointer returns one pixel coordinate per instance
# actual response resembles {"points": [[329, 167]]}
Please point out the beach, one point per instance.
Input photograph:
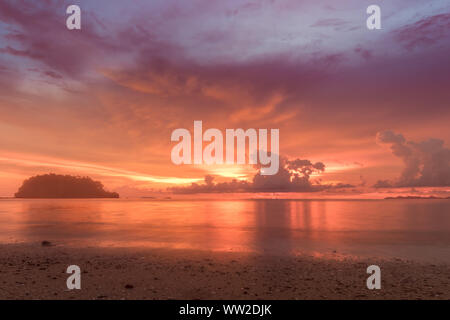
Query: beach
{"points": [[33, 271]]}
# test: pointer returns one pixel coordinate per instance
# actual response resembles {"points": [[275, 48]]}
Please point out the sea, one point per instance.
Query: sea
{"points": [[412, 229]]}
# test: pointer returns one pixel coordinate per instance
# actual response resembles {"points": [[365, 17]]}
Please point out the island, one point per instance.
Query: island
{"points": [[62, 186]]}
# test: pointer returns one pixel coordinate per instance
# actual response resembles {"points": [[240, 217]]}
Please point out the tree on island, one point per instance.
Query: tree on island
{"points": [[62, 186]]}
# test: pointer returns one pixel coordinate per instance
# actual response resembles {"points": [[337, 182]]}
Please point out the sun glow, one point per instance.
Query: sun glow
{"points": [[240, 172], [334, 168], [95, 169]]}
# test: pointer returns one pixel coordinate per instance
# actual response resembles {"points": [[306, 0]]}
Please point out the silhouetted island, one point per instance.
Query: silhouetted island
{"points": [[62, 186]]}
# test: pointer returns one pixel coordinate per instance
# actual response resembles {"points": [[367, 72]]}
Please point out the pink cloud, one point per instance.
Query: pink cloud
{"points": [[425, 32], [427, 163]]}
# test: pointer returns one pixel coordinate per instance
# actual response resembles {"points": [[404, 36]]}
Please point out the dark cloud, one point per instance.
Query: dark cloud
{"points": [[427, 163], [383, 184], [293, 176]]}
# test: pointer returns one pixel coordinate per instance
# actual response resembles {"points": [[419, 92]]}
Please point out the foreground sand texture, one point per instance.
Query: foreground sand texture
{"points": [[36, 272]]}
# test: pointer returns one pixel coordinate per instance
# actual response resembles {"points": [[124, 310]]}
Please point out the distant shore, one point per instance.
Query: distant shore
{"points": [[39, 272], [417, 197]]}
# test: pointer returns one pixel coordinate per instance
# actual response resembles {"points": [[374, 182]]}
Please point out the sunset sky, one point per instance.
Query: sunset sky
{"points": [[372, 105]]}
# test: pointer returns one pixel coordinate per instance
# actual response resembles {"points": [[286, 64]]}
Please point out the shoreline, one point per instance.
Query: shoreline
{"points": [[31, 271], [230, 196]]}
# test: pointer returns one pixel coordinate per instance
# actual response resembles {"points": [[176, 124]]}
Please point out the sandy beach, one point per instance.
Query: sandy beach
{"points": [[33, 271]]}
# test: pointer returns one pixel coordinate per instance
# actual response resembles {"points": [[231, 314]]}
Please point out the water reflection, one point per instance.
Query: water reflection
{"points": [[277, 226]]}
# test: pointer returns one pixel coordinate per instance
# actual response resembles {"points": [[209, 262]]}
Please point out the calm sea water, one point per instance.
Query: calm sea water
{"points": [[412, 229]]}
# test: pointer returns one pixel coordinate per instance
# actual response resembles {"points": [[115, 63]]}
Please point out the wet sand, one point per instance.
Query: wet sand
{"points": [[36, 272]]}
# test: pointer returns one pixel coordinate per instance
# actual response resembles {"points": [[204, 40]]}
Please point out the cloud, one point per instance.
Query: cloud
{"points": [[364, 53], [425, 32], [293, 176], [112, 93], [36, 31], [427, 163], [383, 184], [335, 23], [20, 53]]}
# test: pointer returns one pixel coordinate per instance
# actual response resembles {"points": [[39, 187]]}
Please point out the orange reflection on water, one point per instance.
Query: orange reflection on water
{"points": [[275, 226]]}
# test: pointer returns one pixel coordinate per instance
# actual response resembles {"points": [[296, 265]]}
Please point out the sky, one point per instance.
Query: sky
{"points": [[358, 110]]}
